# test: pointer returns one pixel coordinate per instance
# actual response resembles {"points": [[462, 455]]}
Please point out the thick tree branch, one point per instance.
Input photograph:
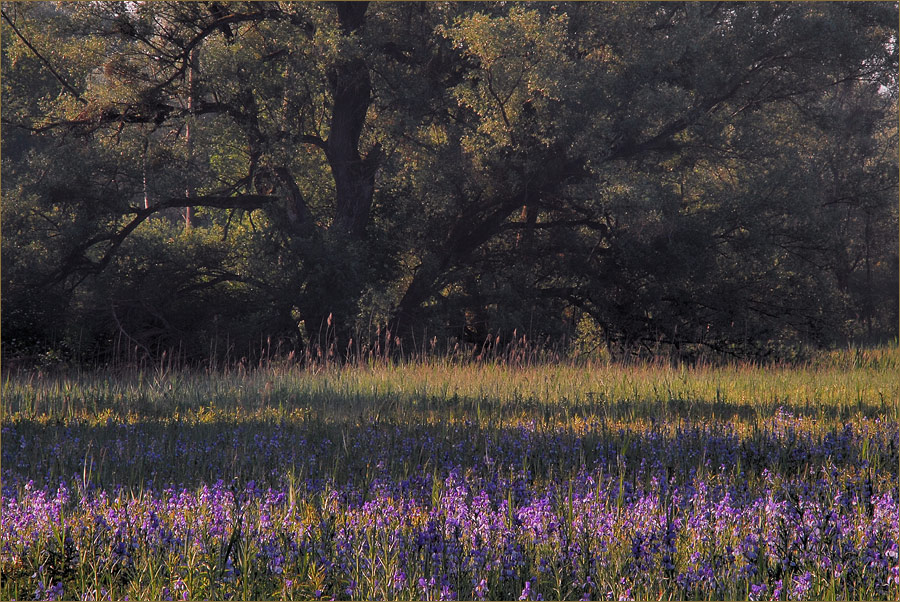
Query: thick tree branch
{"points": [[562, 223], [76, 261], [314, 140], [156, 113], [297, 210]]}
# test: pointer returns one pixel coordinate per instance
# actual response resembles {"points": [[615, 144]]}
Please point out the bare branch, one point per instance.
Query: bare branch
{"points": [[40, 57]]}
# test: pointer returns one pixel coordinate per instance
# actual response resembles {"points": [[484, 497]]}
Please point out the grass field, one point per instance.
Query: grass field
{"points": [[455, 481]]}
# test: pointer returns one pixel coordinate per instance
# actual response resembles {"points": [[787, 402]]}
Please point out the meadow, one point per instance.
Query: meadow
{"points": [[448, 480]]}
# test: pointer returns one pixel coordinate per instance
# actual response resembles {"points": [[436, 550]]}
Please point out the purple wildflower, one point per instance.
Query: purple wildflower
{"points": [[481, 589], [776, 593], [526, 591], [801, 586], [757, 591]]}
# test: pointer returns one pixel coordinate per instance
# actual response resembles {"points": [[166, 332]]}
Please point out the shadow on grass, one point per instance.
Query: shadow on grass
{"points": [[358, 438]]}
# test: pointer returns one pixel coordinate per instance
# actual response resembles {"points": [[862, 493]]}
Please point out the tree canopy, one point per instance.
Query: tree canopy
{"points": [[219, 177]]}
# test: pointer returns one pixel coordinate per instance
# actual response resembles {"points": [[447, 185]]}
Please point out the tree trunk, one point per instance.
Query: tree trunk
{"points": [[144, 171], [334, 290], [354, 175], [189, 188]]}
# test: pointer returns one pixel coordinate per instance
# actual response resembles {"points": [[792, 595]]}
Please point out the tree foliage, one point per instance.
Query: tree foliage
{"points": [[215, 176]]}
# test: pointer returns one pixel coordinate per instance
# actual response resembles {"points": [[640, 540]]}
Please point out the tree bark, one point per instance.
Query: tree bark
{"points": [[354, 175]]}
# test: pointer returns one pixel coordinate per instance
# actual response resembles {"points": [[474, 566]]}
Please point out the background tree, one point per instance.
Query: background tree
{"points": [[693, 175]]}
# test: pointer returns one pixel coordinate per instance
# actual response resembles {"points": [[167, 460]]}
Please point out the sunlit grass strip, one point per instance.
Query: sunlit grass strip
{"points": [[836, 385]]}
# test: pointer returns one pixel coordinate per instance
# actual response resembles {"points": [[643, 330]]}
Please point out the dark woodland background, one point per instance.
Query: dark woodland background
{"points": [[220, 180]]}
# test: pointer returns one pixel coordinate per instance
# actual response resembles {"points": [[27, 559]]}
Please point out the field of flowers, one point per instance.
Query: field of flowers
{"points": [[443, 481]]}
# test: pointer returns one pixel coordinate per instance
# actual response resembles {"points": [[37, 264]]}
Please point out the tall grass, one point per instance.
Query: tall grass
{"points": [[840, 384]]}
